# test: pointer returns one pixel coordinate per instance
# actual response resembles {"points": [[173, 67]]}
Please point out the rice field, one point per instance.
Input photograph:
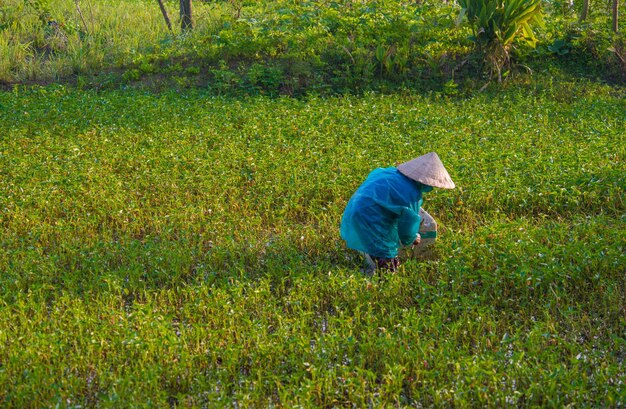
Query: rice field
{"points": [[183, 250]]}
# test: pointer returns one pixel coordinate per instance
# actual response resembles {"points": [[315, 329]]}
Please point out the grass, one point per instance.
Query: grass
{"points": [[93, 37], [281, 47], [182, 249], [250, 47]]}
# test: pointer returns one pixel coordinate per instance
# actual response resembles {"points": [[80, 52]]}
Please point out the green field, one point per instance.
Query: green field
{"points": [[170, 207], [184, 250]]}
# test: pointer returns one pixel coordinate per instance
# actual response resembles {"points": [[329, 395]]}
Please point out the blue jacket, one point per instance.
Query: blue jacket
{"points": [[383, 213]]}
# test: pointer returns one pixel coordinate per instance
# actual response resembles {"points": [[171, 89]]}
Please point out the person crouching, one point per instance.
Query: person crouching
{"points": [[383, 214]]}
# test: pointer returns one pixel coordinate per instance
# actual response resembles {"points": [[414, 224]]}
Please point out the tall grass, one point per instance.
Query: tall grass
{"points": [[109, 34]]}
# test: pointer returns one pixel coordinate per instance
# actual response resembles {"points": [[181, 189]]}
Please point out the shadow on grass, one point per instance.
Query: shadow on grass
{"points": [[130, 266]]}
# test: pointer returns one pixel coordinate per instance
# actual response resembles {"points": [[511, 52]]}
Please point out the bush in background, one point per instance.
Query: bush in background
{"points": [[496, 24], [283, 47]]}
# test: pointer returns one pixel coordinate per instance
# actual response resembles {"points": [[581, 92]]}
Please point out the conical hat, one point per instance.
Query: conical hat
{"points": [[427, 169]]}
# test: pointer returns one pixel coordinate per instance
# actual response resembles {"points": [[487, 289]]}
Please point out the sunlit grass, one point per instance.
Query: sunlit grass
{"points": [[184, 249], [108, 34]]}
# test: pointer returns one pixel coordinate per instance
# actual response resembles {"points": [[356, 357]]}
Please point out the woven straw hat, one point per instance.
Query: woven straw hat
{"points": [[427, 169]]}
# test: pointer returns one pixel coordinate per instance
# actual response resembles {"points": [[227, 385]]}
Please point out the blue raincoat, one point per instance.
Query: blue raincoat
{"points": [[383, 214]]}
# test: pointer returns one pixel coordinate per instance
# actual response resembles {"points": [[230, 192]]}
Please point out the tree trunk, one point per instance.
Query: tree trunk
{"points": [[583, 14], [615, 15], [186, 22], [164, 12], [80, 13]]}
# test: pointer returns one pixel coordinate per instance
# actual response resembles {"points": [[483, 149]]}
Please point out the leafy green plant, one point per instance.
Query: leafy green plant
{"points": [[41, 8], [559, 47], [183, 250], [619, 52], [496, 24]]}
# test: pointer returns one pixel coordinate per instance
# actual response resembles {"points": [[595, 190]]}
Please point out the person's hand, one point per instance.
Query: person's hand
{"points": [[418, 240]]}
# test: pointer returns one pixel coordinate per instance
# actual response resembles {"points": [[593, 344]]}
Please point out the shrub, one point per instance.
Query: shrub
{"points": [[496, 24]]}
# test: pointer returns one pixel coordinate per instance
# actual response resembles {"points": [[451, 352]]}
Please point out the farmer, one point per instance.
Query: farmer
{"points": [[383, 213]]}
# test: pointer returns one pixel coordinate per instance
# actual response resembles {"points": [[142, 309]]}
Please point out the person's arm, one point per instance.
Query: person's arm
{"points": [[408, 226]]}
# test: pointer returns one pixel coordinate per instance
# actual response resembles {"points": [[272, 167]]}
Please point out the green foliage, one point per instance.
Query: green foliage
{"points": [[599, 48], [304, 46], [497, 23], [559, 47], [619, 54], [41, 9], [49, 40], [286, 47], [182, 249], [344, 45]]}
